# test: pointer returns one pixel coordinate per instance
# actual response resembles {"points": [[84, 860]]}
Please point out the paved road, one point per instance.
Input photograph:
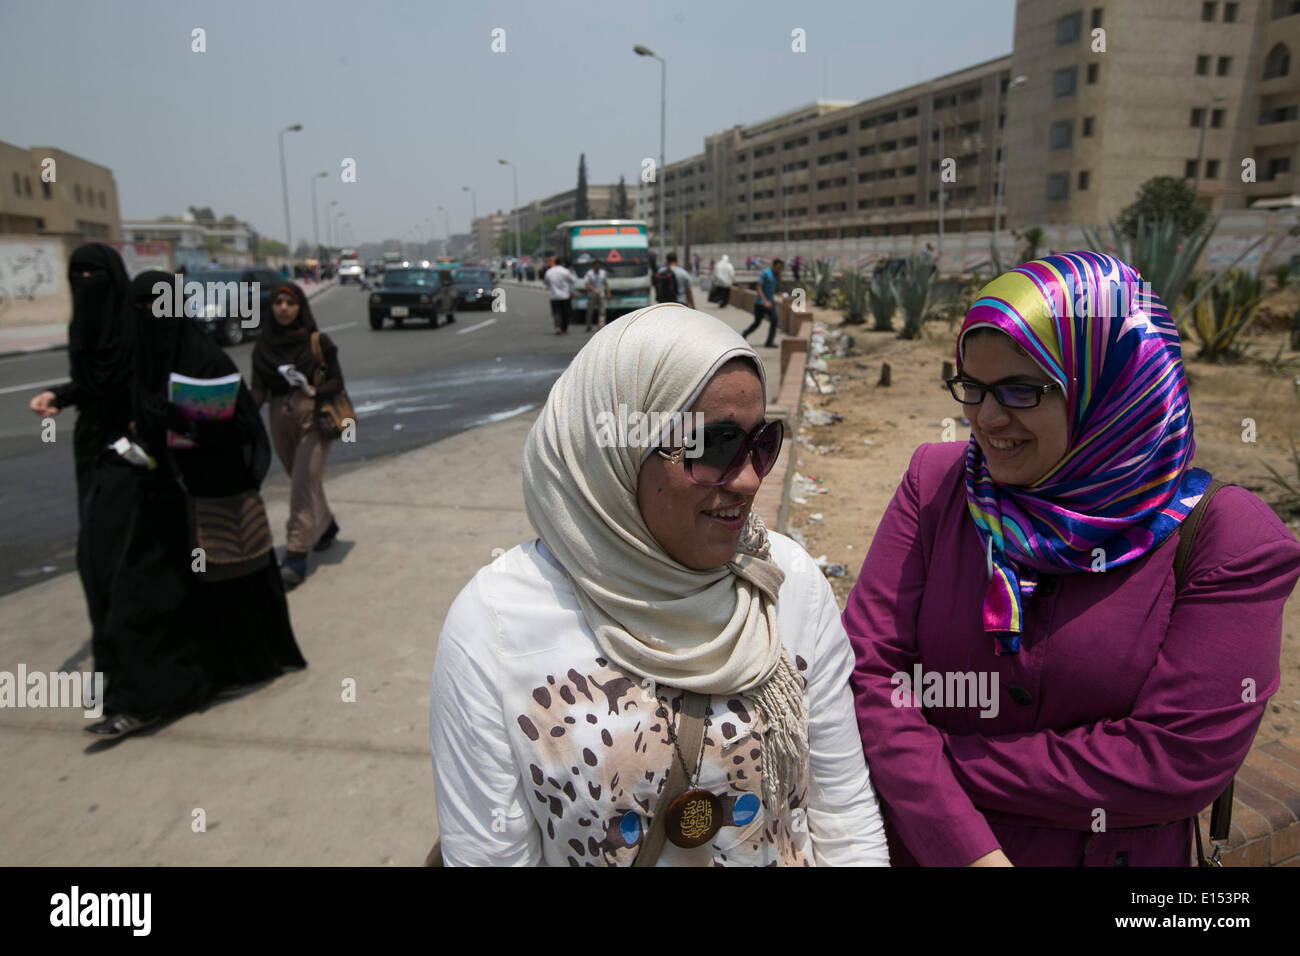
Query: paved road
{"points": [[411, 386]]}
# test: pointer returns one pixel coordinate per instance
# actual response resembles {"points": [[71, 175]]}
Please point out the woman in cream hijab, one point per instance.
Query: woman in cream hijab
{"points": [[569, 671]]}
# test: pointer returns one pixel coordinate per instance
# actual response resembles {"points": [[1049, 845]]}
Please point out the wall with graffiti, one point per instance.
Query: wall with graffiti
{"points": [[33, 281]]}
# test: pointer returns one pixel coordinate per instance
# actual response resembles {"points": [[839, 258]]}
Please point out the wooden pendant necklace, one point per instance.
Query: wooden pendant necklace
{"points": [[693, 818]]}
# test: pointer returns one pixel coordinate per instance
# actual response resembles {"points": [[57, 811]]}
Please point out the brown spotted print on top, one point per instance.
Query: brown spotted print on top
{"points": [[598, 753]]}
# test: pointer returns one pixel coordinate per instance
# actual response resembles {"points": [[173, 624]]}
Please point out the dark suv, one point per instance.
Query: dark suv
{"points": [[229, 329]]}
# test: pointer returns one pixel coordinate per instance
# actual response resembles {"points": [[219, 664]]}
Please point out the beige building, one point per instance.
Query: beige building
{"points": [[487, 230], [76, 200], [1117, 93], [600, 203]]}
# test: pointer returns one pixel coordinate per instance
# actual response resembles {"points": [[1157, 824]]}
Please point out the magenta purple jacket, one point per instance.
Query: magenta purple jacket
{"points": [[1127, 710]]}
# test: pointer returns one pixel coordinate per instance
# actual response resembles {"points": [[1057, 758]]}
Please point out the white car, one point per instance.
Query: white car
{"points": [[351, 269]]}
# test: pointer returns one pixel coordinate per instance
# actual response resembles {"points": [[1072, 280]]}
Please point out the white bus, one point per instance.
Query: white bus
{"points": [[620, 245]]}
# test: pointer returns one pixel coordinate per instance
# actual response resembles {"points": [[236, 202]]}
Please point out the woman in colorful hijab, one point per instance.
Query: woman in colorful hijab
{"points": [[1033, 687], [284, 369], [562, 668]]}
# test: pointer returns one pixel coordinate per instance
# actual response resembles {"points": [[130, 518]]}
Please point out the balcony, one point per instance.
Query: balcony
{"points": [[1277, 134]]}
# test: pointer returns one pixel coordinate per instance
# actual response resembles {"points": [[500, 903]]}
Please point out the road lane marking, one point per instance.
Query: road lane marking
{"points": [[473, 327], [45, 383], [335, 328]]}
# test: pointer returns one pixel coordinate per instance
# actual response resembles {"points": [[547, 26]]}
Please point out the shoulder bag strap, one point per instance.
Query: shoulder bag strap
{"points": [[1221, 811], [690, 738], [318, 355]]}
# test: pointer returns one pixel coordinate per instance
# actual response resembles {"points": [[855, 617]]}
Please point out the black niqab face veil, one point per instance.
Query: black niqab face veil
{"points": [[99, 336]]}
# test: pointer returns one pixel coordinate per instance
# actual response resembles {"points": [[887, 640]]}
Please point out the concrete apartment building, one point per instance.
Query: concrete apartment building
{"points": [[79, 205], [487, 230], [1116, 93], [1181, 88]]}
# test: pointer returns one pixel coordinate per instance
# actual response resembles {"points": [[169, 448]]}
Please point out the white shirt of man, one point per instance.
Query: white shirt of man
{"points": [[559, 282], [724, 273], [596, 281]]}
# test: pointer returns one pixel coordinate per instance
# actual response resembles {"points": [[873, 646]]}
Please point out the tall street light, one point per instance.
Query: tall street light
{"points": [[514, 174], [473, 215], [639, 50], [1200, 146], [315, 221], [329, 220], [1016, 83], [284, 186]]}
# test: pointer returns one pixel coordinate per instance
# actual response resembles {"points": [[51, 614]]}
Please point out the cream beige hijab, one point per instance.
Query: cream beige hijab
{"points": [[712, 632]]}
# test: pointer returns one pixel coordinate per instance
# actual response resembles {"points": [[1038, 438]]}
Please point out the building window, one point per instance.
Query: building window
{"points": [[1058, 186], [909, 112], [76, 189], [46, 192], [1202, 65], [18, 185], [1062, 134], [1198, 117], [909, 141], [1279, 114], [1096, 18], [1278, 164], [1083, 179], [1225, 64], [1229, 13], [1285, 8], [1189, 169], [1216, 119], [1063, 82], [27, 186], [1211, 169], [1092, 73], [1278, 62], [1067, 28], [1207, 11], [1087, 126], [867, 123]]}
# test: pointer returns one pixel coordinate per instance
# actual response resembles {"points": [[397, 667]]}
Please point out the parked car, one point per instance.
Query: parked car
{"points": [[350, 269], [405, 294], [474, 288], [219, 316]]}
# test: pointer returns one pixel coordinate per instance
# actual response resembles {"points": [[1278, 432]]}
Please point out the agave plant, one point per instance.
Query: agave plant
{"points": [[1222, 316], [1034, 237], [1156, 254], [915, 283], [1291, 500], [855, 288], [883, 299], [823, 272], [1282, 274]]}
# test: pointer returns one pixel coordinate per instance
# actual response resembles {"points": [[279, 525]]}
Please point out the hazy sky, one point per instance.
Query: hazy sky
{"points": [[413, 92]]}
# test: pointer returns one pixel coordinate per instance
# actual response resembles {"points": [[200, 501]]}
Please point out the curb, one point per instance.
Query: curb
{"points": [[62, 346]]}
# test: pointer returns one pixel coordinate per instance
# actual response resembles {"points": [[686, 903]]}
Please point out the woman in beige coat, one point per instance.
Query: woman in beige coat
{"points": [[284, 369]]}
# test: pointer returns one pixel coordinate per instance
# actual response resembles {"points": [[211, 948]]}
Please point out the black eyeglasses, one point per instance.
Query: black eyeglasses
{"points": [[970, 392], [724, 450]]}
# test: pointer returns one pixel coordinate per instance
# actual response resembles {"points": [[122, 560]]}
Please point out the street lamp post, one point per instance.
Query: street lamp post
{"points": [[514, 175], [473, 216], [1200, 144], [1019, 81], [329, 222], [639, 50], [284, 187], [315, 220]]}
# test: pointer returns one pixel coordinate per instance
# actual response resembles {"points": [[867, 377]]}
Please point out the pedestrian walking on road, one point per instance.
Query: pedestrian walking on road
{"points": [[1060, 549], [769, 280], [597, 282], [657, 679], [673, 283], [284, 367], [724, 274], [559, 290]]}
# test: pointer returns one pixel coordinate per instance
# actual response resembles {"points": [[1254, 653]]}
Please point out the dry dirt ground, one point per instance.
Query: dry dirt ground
{"points": [[859, 461]]}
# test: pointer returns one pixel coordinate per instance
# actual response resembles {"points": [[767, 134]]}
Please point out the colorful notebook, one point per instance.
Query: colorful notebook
{"points": [[200, 400]]}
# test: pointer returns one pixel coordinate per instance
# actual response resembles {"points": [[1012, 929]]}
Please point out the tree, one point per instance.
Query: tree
{"points": [[1164, 197], [622, 206], [303, 250], [580, 207], [203, 214]]}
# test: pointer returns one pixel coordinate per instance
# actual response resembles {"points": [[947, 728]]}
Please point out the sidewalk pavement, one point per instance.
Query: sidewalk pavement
{"points": [[54, 335]]}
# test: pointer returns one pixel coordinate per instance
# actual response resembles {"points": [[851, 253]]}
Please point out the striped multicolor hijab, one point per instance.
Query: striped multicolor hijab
{"points": [[1124, 483]]}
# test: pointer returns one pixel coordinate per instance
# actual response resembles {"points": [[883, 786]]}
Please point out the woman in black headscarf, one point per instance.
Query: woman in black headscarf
{"points": [[241, 624], [100, 359], [286, 341]]}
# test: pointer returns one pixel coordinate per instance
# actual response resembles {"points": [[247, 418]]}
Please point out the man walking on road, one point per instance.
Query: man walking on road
{"points": [[559, 289], [724, 273], [673, 283], [597, 289], [769, 280]]}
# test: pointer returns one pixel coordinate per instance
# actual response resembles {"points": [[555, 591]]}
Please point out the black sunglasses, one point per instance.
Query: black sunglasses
{"points": [[970, 392], [725, 447]]}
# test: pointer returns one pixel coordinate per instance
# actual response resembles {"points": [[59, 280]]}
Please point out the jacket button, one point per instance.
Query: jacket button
{"points": [[1020, 695]]}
